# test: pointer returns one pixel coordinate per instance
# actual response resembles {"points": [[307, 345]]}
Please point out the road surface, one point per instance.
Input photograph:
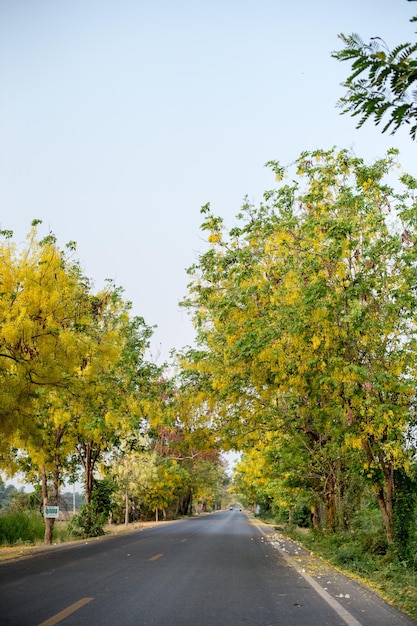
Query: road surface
{"points": [[213, 570]]}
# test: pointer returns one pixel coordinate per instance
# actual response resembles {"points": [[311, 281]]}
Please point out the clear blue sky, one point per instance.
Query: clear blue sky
{"points": [[120, 119]]}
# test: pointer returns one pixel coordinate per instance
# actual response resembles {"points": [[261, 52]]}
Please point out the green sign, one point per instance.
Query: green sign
{"points": [[51, 511]]}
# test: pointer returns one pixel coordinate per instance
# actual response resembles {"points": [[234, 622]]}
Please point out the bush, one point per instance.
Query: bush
{"points": [[92, 517], [88, 522], [348, 553], [405, 515], [302, 516], [18, 527], [373, 542]]}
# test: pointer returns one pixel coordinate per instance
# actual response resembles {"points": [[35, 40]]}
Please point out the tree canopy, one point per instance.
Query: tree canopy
{"points": [[382, 82], [305, 319]]}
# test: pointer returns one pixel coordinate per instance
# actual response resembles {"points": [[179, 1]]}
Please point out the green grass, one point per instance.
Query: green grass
{"points": [[26, 528], [21, 527]]}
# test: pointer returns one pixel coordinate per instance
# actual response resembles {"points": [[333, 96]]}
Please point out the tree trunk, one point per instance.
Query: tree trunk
{"points": [[384, 494], [49, 530], [331, 503], [89, 466], [157, 514], [315, 516], [49, 522], [385, 512], [126, 507], [185, 503], [88, 456]]}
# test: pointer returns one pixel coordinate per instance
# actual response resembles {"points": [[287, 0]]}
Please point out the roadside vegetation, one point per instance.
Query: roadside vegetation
{"points": [[306, 318], [22, 520], [364, 555], [81, 400], [362, 552], [21, 527]]}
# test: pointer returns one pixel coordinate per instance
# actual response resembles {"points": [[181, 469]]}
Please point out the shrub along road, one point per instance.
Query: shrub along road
{"points": [[215, 569]]}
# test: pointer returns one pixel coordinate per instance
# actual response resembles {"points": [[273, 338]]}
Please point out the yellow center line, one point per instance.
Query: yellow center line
{"points": [[55, 619], [156, 556]]}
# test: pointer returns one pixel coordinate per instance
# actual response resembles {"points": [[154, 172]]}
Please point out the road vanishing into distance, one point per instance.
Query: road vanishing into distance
{"points": [[213, 570]]}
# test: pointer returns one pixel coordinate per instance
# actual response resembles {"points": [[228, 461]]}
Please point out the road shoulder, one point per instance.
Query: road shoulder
{"points": [[365, 605]]}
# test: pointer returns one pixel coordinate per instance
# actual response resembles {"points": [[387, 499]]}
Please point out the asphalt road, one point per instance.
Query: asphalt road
{"points": [[214, 570]]}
